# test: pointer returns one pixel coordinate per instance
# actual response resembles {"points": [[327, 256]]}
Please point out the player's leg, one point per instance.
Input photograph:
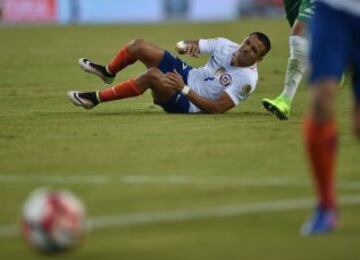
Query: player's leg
{"points": [[297, 62], [356, 84], [355, 60], [137, 49], [320, 135], [149, 54], [159, 63], [357, 117], [151, 79], [298, 43], [281, 106]]}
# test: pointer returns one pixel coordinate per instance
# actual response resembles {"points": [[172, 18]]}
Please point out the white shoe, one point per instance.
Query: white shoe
{"points": [[97, 69], [79, 101]]}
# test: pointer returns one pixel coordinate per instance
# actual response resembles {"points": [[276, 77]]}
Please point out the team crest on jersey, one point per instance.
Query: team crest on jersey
{"points": [[225, 79]]}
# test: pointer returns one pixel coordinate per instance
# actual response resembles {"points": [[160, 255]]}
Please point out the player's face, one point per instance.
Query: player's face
{"points": [[250, 51]]}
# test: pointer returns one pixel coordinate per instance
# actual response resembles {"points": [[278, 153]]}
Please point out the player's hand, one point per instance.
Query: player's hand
{"points": [[193, 49], [190, 48], [174, 80]]}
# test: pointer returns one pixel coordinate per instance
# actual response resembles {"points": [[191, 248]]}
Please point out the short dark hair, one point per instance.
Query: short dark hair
{"points": [[264, 39]]}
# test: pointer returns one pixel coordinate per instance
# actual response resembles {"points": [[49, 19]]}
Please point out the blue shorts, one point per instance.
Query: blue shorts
{"points": [[335, 45], [178, 103]]}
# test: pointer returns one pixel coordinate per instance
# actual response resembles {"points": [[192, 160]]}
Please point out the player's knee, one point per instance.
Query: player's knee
{"points": [[149, 79], [298, 28], [136, 45], [322, 104], [153, 74]]}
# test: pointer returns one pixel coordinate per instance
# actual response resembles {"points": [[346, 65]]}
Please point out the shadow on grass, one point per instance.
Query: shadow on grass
{"points": [[150, 112], [234, 114]]}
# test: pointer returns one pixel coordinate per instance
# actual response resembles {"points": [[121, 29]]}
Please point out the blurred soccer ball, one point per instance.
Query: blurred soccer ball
{"points": [[53, 220]]}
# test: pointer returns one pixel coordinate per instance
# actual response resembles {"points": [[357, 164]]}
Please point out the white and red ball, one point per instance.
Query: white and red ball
{"points": [[53, 220]]}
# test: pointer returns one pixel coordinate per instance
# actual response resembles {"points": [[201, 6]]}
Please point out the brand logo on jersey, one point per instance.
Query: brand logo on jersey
{"points": [[184, 66], [209, 78], [245, 91], [225, 79], [220, 71]]}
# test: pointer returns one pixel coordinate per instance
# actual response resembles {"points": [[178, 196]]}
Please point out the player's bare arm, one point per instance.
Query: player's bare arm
{"points": [[222, 104]]}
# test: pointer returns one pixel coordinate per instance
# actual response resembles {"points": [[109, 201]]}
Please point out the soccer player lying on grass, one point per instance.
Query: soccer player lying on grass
{"points": [[229, 77]]}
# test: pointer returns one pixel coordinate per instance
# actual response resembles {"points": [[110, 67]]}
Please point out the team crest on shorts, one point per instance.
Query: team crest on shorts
{"points": [[225, 79]]}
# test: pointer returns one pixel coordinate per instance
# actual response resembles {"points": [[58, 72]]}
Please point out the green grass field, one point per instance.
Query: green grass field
{"points": [[216, 179]]}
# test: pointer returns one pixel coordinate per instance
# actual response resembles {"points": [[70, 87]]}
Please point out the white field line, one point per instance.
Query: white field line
{"points": [[256, 181], [95, 179], [140, 218], [171, 179]]}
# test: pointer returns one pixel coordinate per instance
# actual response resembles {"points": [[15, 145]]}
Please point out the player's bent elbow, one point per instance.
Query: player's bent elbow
{"points": [[220, 111], [217, 109]]}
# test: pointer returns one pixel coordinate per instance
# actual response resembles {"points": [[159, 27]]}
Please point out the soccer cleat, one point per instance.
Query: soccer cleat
{"points": [[97, 69], [279, 106], [321, 222], [81, 101]]}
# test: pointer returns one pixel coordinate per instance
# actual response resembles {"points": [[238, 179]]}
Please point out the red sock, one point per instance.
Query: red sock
{"points": [[321, 146], [120, 61], [123, 90]]}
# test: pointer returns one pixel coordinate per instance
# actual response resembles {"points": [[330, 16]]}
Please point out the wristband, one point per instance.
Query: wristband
{"points": [[185, 90]]}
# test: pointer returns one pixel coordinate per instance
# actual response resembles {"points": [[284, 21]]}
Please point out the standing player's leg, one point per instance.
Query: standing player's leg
{"points": [[319, 130], [357, 109], [356, 77], [320, 135], [297, 63], [149, 54], [357, 118], [298, 43]]}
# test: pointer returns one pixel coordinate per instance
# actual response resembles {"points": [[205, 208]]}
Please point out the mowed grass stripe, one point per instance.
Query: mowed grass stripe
{"points": [[142, 218], [275, 181]]}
